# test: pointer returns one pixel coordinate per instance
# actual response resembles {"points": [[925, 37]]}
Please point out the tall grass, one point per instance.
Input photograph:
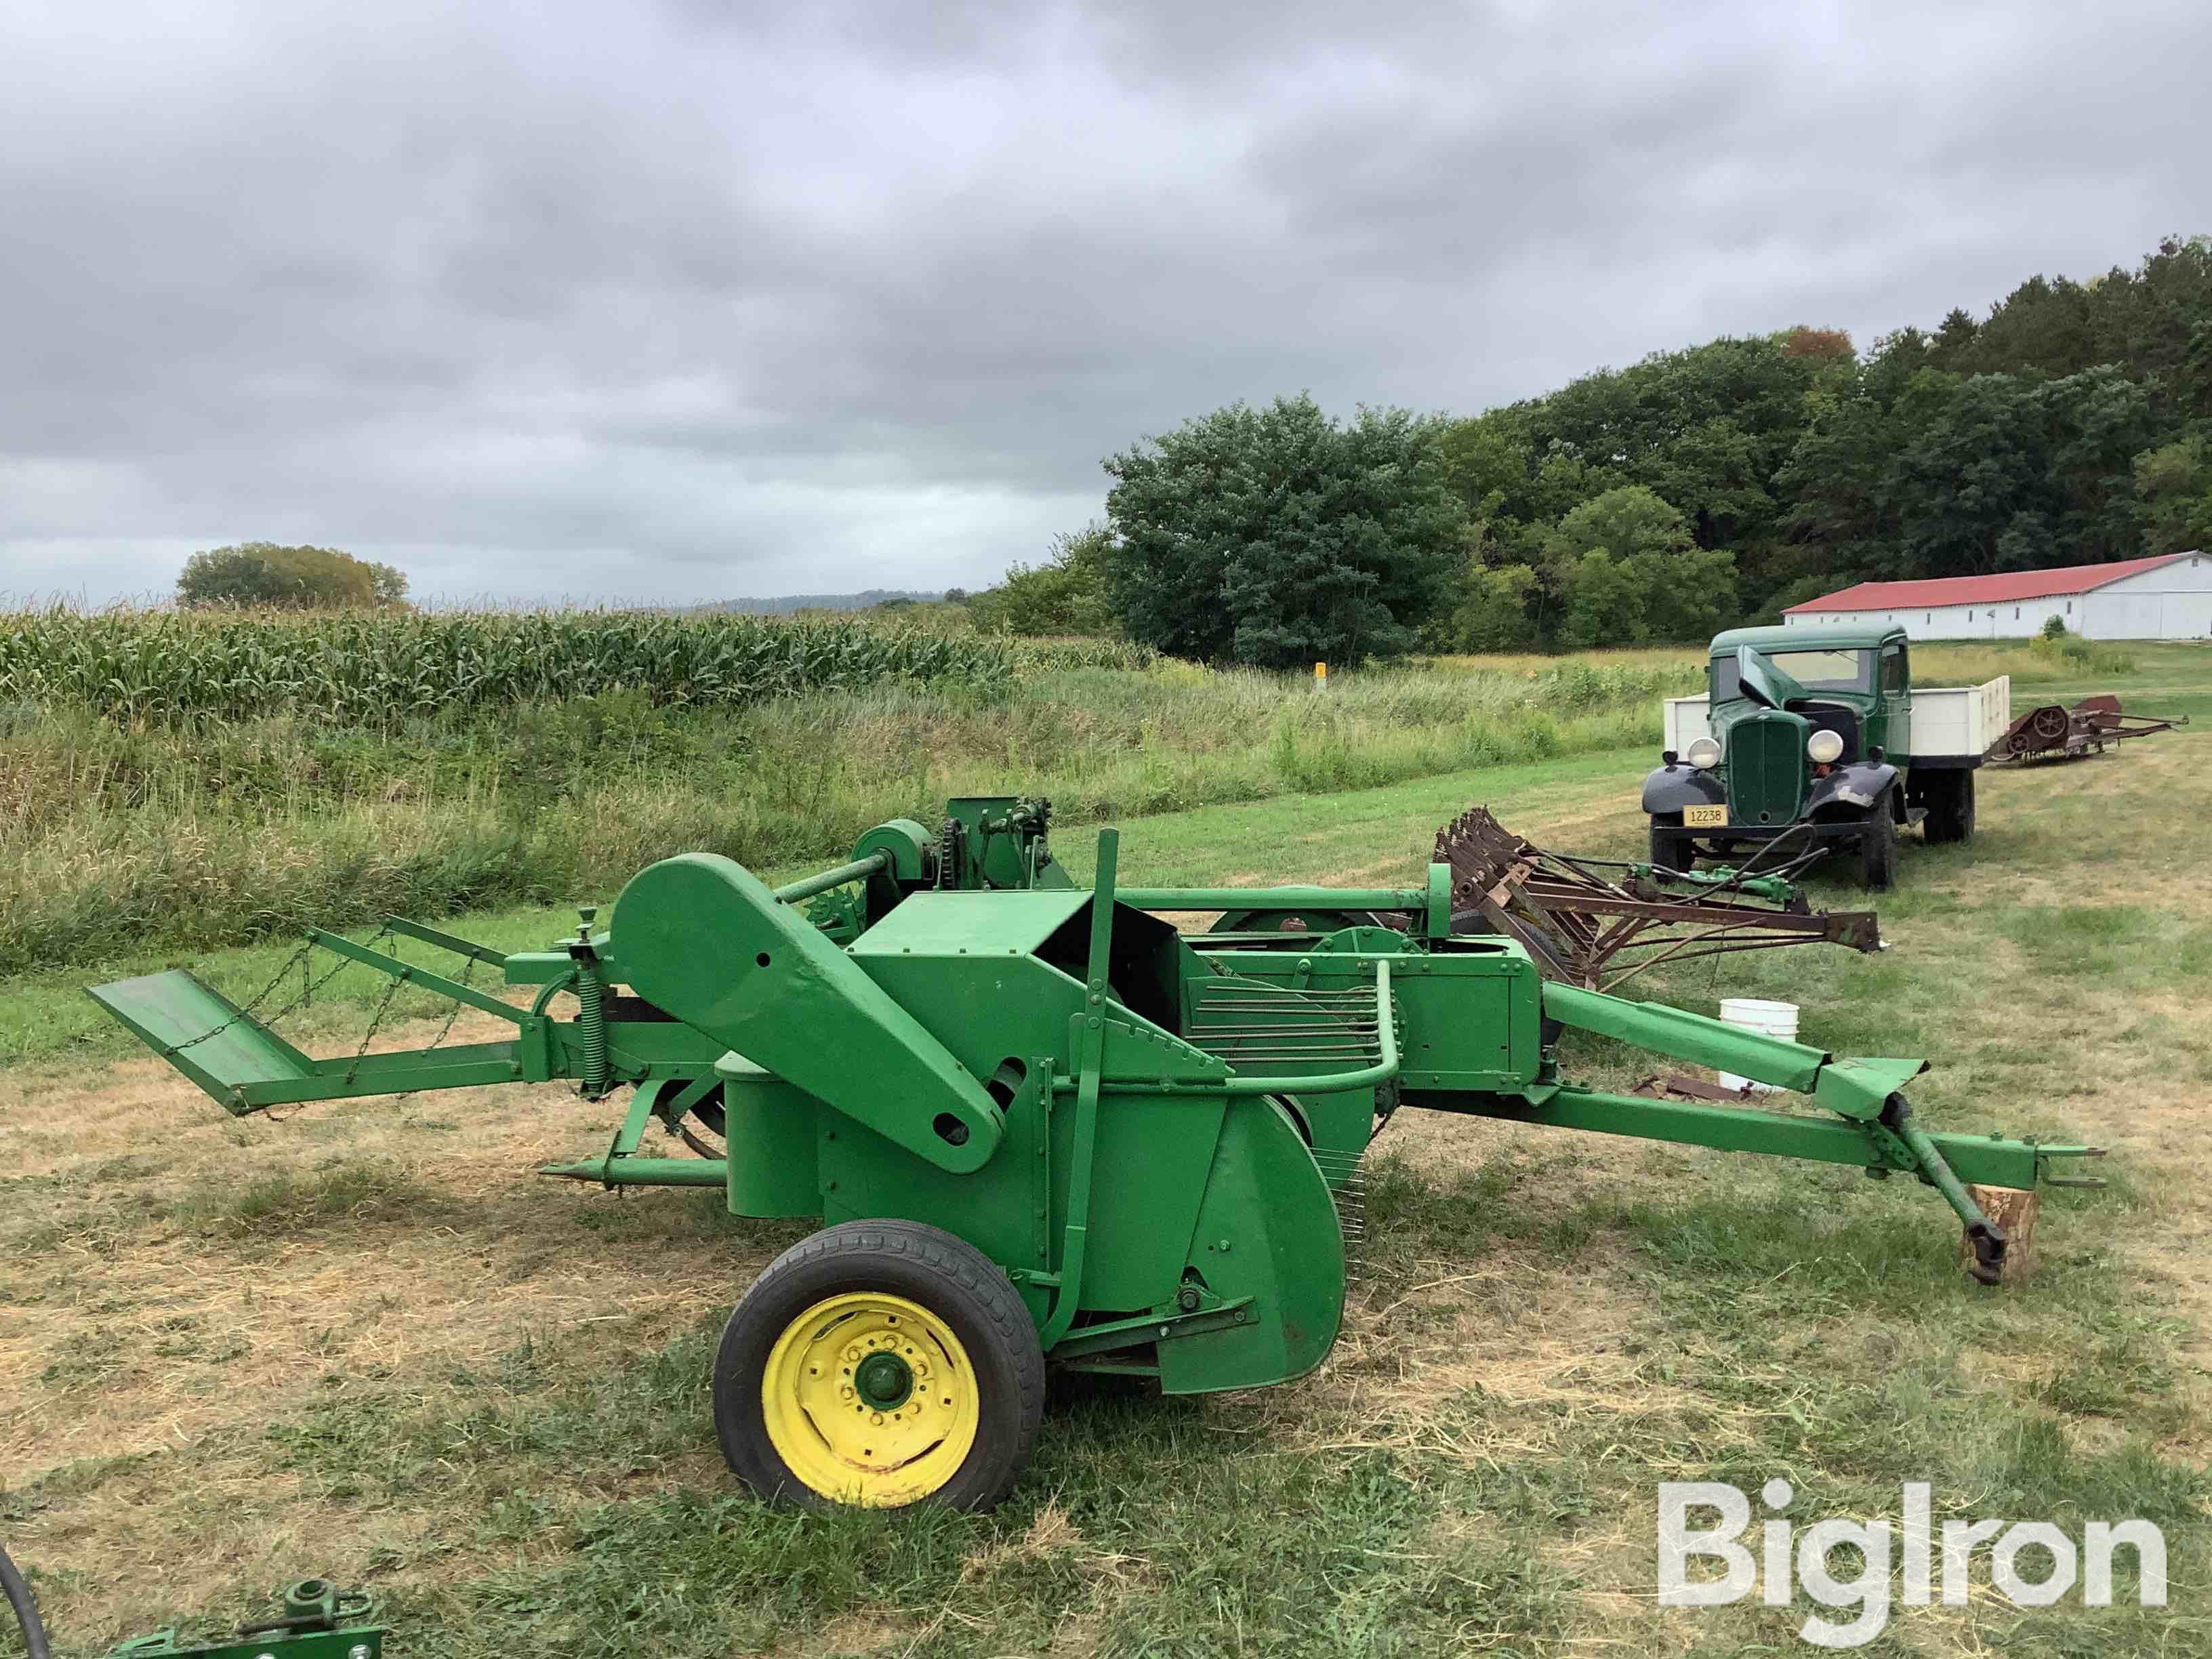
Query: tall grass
{"points": [[2030, 662], [1681, 668], [117, 835]]}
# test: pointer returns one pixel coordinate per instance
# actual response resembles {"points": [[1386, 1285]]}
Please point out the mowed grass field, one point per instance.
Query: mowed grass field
{"points": [[366, 1341]]}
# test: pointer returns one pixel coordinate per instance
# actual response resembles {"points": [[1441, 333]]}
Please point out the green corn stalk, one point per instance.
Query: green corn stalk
{"points": [[371, 668]]}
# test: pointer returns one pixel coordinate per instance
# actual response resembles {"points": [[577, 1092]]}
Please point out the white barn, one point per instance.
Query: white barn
{"points": [[2165, 597]]}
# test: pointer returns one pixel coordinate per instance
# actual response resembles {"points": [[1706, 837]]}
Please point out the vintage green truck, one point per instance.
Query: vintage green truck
{"points": [[1812, 739]]}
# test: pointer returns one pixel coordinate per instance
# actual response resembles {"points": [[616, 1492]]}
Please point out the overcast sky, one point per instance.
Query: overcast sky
{"points": [[683, 301]]}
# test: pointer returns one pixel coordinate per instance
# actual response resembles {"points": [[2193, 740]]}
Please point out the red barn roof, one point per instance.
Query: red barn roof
{"points": [[2001, 589]]}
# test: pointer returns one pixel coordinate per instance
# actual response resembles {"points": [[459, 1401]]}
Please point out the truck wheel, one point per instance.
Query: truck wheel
{"points": [[1951, 810], [879, 1364], [1878, 850], [1668, 851]]}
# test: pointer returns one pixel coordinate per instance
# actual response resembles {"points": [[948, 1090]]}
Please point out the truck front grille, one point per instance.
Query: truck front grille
{"points": [[1766, 769]]}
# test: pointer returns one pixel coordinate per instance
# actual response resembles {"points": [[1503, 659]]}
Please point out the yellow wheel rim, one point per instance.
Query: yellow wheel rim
{"points": [[869, 1400]]}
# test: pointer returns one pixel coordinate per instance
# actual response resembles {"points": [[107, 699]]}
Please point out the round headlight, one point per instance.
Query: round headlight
{"points": [[1703, 754], [1824, 745]]}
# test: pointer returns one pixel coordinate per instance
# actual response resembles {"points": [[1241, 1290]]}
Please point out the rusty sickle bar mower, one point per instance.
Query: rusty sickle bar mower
{"points": [[1582, 925], [1037, 1124], [2089, 727]]}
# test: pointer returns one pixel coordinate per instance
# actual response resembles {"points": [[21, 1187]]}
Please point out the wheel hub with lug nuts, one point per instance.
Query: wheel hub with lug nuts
{"points": [[870, 1398], [884, 1381]]}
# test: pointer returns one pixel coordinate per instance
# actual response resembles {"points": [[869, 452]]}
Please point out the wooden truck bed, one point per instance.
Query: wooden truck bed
{"points": [[1948, 722]]}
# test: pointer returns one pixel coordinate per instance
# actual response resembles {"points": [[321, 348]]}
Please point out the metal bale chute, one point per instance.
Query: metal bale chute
{"points": [[1039, 1127]]}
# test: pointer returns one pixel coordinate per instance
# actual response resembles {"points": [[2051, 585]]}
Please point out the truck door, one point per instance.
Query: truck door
{"points": [[1893, 683]]}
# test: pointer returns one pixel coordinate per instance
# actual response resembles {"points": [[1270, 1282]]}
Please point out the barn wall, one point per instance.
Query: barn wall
{"points": [[2173, 602]]}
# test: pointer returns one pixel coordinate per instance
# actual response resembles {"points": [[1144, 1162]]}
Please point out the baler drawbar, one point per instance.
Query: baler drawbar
{"points": [[1036, 1123]]}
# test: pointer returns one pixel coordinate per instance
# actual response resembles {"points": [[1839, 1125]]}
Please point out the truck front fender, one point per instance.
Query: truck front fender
{"points": [[1671, 788], [1852, 790]]}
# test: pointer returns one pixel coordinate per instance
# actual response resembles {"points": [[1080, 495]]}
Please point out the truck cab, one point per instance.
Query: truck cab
{"points": [[1807, 747]]}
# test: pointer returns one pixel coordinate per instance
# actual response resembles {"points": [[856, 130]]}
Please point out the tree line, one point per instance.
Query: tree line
{"points": [[1655, 503], [265, 576]]}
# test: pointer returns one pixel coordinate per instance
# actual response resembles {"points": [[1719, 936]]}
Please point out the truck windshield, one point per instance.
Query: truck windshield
{"points": [[1816, 670]]}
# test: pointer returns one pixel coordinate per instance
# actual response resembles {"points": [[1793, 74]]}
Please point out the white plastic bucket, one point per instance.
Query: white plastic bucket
{"points": [[1774, 1019]]}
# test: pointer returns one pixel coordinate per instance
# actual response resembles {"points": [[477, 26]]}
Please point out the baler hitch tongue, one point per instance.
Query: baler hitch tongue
{"points": [[2042, 1152], [1986, 1236]]}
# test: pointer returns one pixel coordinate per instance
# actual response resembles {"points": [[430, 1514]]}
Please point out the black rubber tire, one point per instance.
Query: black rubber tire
{"points": [[1950, 809], [1878, 850], [1668, 844], [26, 1607], [946, 1274]]}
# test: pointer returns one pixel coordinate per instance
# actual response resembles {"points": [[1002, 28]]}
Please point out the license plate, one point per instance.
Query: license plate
{"points": [[1705, 817]]}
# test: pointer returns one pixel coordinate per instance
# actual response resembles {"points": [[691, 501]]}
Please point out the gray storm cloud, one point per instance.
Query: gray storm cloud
{"points": [[680, 303]]}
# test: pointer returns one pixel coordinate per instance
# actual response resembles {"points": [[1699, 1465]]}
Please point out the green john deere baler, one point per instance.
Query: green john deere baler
{"points": [[1037, 1124]]}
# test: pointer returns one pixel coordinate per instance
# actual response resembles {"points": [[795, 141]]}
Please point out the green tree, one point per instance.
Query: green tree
{"points": [[1496, 609], [1630, 573], [1066, 594], [2174, 484], [1487, 464], [1805, 587], [305, 577], [1278, 537], [2009, 472]]}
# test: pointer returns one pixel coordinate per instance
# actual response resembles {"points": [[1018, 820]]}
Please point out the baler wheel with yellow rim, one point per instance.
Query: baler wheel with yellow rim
{"points": [[880, 1363]]}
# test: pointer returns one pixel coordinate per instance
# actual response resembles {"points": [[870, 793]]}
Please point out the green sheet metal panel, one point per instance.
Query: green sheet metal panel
{"points": [[1006, 1209], [1267, 1230], [986, 1011], [771, 1128], [703, 939], [952, 924], [1152, 1153]]}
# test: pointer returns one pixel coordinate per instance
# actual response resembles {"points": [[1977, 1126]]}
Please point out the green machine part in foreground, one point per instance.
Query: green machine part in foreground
{"points": [[1035, 1122], [318, 1621]]}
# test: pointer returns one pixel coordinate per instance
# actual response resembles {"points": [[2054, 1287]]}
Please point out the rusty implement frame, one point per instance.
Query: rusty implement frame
{"points": [[1594, 923], [2051, 731]]}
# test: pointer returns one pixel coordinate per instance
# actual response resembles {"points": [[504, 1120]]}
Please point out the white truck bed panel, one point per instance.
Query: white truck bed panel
{"points": [[1947, 721], [1962, 720], [1687, 722]]}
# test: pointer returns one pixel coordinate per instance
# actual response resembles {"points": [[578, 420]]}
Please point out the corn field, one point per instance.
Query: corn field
{"points": [[372, 667]]}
